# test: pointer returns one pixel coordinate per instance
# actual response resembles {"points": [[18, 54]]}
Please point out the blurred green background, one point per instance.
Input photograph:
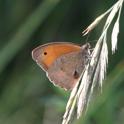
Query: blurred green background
{"points": [[26, 95]]}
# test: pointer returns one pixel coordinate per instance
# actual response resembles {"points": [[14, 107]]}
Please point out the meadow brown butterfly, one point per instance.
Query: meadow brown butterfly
{"points": [[62, 61]]}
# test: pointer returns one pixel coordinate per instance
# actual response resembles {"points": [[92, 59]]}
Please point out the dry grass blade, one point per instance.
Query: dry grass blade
{"points": [[86, 82], [97, 21], [95, 71], [93, 25], [115, 31], [71, 102], [103, 61], [69, 108]]}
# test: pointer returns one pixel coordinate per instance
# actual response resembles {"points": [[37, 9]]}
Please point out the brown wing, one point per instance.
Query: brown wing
{"points": [[66, 70]]}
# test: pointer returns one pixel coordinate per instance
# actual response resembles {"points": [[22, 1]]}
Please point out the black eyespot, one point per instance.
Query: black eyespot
{"points": [[45, 53], [76, 75]]}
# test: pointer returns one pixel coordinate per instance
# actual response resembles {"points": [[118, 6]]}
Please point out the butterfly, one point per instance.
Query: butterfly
{"points": [[63, 62]]}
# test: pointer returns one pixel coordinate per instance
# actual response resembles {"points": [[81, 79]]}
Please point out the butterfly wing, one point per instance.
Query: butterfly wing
{"points": [[66, 70], [46, 54]]}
